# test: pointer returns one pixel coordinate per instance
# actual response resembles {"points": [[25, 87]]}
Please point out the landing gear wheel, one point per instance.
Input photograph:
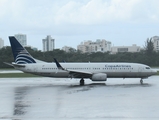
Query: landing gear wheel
{"points": [[82, 82], [141, 81]]}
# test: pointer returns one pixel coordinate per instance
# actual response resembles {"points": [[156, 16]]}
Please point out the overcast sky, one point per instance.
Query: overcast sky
{"points": [[69, 22]]}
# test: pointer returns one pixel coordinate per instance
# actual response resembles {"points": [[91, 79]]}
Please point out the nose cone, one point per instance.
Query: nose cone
{"points": [[154, 72]]}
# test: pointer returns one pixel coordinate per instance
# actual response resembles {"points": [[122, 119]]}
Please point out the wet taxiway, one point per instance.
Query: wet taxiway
{"points": [[48, 98]]}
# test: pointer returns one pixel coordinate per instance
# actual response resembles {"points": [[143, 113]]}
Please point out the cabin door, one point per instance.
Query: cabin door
{"points": [[140, 70], [35, 69]]}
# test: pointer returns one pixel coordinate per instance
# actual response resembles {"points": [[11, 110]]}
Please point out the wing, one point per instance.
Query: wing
{"points": [[79, 74], [74, 73]]}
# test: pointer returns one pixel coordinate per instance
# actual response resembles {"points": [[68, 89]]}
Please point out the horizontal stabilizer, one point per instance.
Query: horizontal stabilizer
{"points": [[8, 64], [18, 65], [14, 64]]}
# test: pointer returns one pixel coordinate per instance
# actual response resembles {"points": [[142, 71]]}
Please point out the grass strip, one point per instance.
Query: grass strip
{"points": [[16, 75], [157, 73]]}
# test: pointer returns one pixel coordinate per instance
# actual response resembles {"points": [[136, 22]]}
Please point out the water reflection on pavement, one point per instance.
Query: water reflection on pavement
{"points": [[45, 98]]}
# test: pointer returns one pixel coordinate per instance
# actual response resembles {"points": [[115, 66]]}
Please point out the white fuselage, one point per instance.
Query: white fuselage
{"points": [[113, 70]]}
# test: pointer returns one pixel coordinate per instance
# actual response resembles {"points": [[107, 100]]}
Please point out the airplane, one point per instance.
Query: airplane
{"points": [[95, 71]]}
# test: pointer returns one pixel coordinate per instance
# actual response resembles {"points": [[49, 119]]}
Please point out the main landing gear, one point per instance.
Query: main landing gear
{"points": [[141, 82], [82, 82]]}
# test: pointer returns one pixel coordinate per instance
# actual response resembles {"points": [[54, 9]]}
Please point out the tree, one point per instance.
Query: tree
{"points": [[72, 50], [149, 47]]}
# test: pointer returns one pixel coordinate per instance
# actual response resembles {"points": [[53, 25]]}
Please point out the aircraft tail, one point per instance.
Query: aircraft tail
{"points": [[21, 55]]}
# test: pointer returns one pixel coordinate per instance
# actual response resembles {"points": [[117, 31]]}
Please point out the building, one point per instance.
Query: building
{"points": [[33, 48], [155, 40], [48, 44], [68, 49], [100, 45], [133, 48], [1, 43], [21, 38], [84, 46]]}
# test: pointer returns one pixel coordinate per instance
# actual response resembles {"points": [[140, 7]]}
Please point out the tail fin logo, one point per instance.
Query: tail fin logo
{"points": [[21, 55], [24, 58]]}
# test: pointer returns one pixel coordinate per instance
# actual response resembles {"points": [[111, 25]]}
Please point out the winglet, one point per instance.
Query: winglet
{"points": [[58, 65]]}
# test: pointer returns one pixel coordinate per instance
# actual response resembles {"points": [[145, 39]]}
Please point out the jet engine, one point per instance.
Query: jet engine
{"points": [[99, 77]]}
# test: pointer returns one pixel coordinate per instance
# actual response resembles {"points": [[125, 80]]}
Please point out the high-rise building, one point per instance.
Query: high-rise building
{"points": [[155, 40], [21, 38], [48, 44], [1, 43]]}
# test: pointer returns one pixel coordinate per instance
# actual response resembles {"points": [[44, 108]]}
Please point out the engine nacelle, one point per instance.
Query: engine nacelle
{"points": [[99, 77]]}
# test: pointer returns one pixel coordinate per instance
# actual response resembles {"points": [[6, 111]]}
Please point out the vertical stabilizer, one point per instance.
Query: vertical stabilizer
{"points": [[21, 55]]}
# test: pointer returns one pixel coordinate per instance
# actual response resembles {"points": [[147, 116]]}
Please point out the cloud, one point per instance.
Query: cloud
{"points": [[47, 13], [95, 12]]}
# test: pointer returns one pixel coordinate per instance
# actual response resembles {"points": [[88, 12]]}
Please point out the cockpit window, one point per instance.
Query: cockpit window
{"points": [[147, 67]]}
